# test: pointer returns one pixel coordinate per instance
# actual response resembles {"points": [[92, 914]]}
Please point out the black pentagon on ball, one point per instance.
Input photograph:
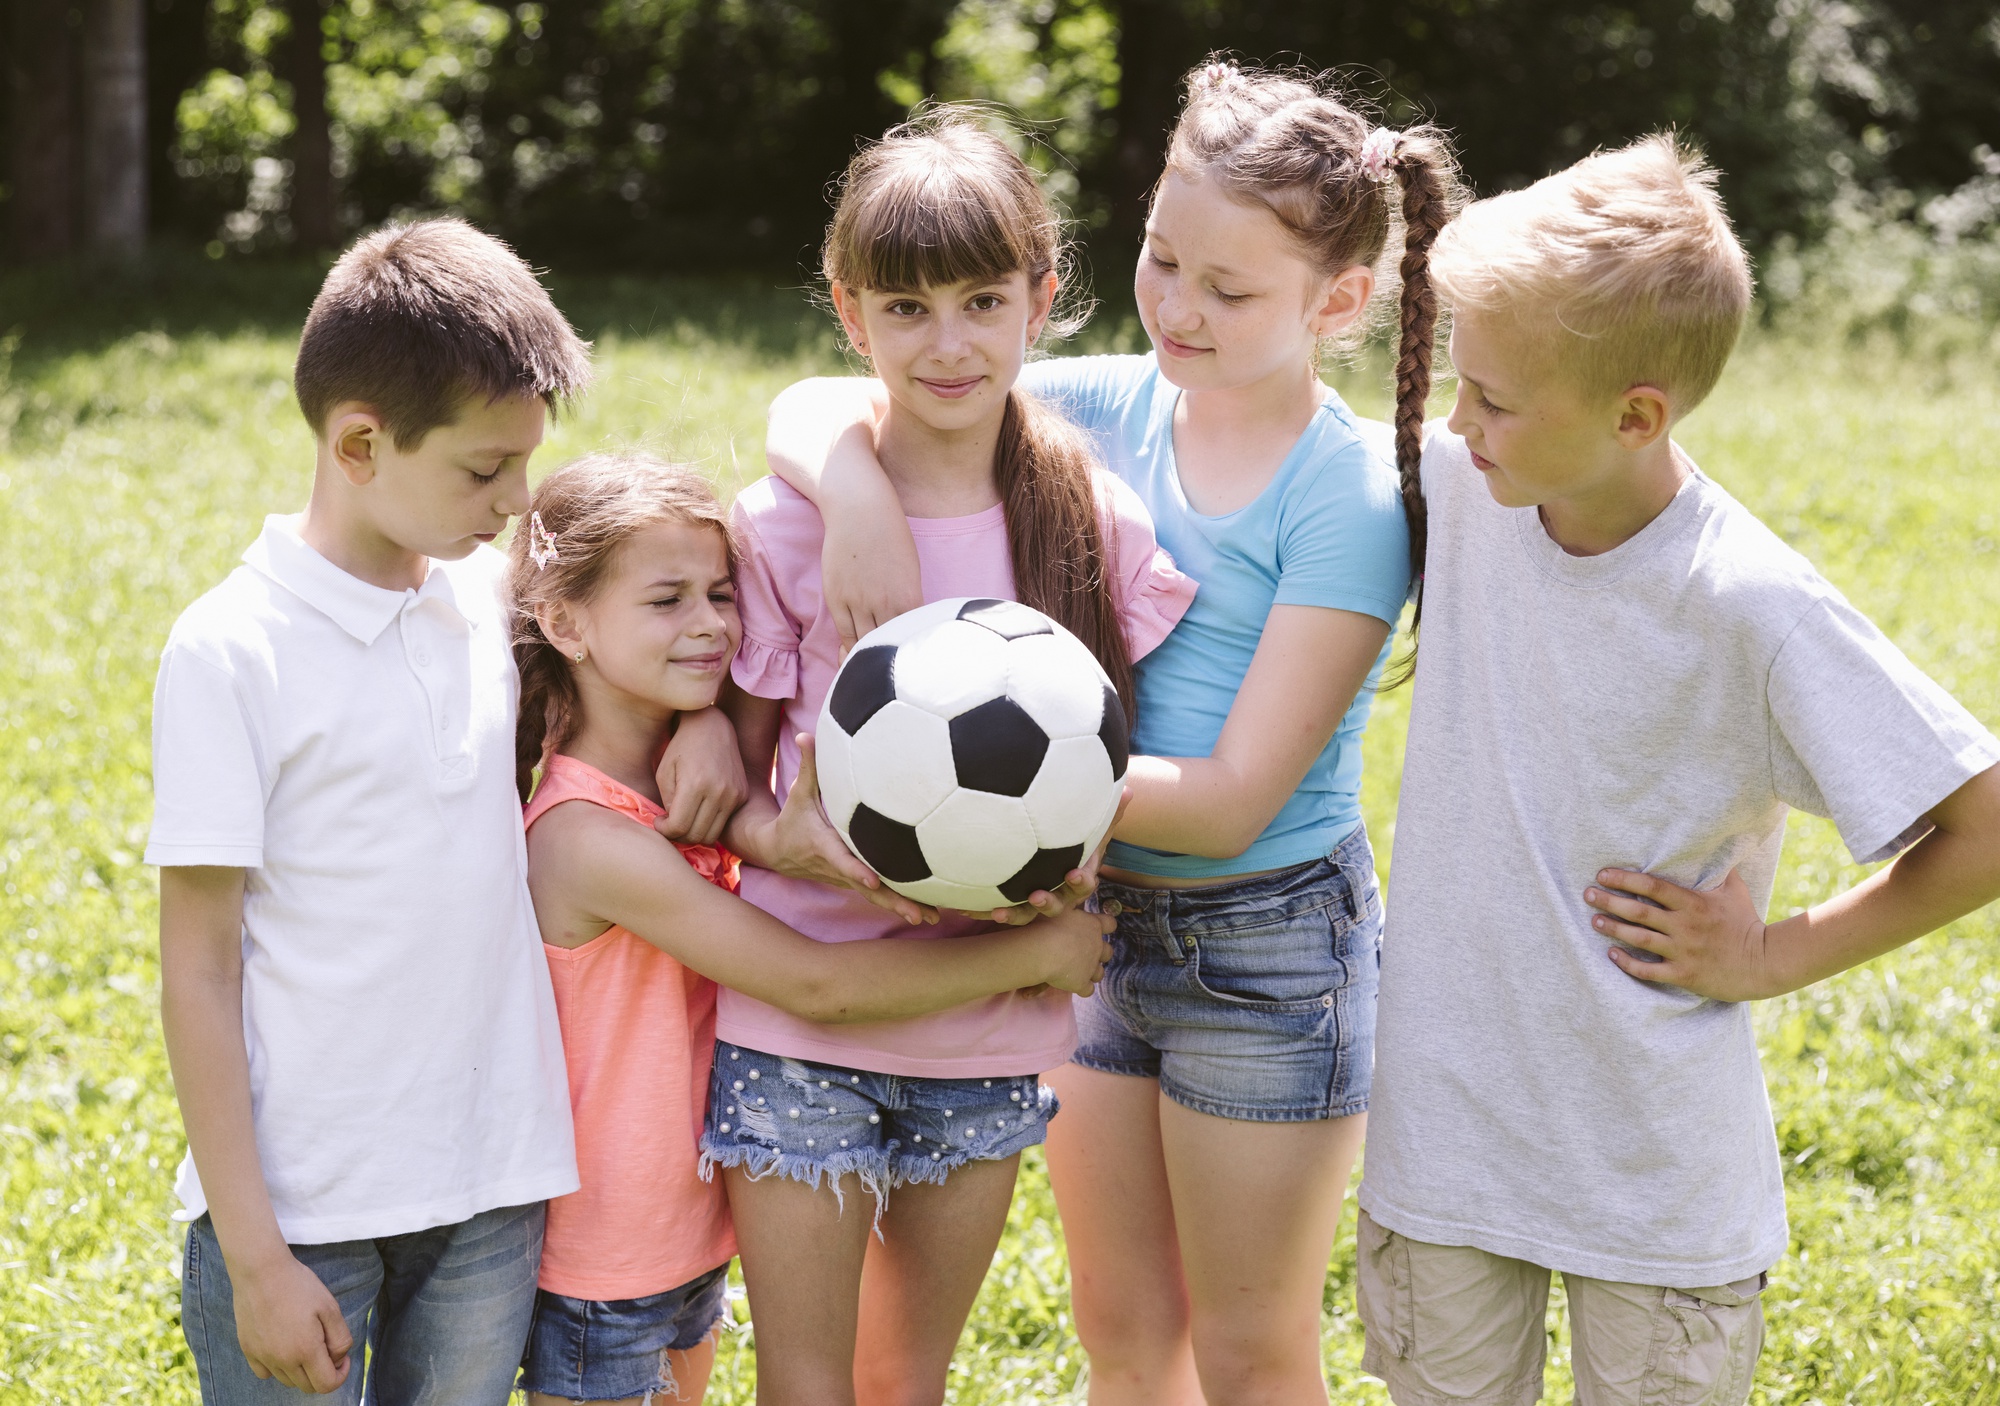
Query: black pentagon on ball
{"points": [[1045, 871], [889, 846], [1112, 733], [997, 747], [1008, 619], [866, 684]]}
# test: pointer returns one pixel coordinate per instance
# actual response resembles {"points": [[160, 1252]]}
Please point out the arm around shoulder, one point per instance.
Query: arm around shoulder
{"points": [[821, 441]]}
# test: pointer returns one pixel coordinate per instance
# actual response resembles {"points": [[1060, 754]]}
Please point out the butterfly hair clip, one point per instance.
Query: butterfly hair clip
{"points": [[541, 542]]}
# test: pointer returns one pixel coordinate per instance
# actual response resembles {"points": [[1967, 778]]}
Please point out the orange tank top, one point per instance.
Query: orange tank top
{"points": [[638, 1032]]}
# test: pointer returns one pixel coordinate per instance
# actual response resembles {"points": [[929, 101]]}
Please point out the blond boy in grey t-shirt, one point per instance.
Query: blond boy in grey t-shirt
{"points": [[1625, 682]]}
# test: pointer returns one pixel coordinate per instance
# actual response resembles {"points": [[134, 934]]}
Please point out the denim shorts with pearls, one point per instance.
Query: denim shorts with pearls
{"points": [[772, 1113], [1252, 999]]}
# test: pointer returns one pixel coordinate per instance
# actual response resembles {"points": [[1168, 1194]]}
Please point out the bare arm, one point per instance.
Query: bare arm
{"points": [[796, 839], [701, 778], [821, 440], [1309, 665], [287, 1323], [1715, 945], [588, 868]]}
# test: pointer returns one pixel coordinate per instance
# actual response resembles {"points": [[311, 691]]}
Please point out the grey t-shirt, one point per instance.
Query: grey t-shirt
{"points": [[1656, 707]]}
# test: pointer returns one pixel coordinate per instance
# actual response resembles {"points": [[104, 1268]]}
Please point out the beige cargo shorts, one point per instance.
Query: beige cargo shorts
{"points": [[1449, 1325]]}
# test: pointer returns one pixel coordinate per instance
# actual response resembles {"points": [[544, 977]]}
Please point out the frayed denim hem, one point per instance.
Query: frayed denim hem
{"points": [[867, 1165]]}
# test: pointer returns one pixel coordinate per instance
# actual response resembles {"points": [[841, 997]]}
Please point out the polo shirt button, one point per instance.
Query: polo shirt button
{"points": [[424, 659]]}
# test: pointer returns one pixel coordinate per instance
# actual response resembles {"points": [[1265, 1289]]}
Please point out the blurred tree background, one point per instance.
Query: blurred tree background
{"points": [[699, 135]]}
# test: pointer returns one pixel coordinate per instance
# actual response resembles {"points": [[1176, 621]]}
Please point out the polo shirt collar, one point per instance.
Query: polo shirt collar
{"points": [[362, 610]]}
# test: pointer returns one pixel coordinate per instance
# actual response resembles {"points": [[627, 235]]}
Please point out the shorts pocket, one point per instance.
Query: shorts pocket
{"points": [[1287, 964], [1706, 1345], [1385, 1289]]}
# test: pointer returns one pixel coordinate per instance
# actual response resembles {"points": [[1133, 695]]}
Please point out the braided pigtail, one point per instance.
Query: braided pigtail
{"points": [[1330, 177], [1423, 168], [549, 702]]}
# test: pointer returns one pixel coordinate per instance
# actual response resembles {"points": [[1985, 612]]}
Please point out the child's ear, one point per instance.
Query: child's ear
{"points": [[849, 309], [1344, 297], [561, 628], [354, 436], [1642, 416], [1045, 304]]}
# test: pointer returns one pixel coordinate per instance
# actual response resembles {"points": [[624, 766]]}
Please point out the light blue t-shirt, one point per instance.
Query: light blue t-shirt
{"points": [[1328, 530]]}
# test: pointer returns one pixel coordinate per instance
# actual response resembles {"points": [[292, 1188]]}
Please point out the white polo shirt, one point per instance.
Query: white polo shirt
{"points": [[352, 748]]}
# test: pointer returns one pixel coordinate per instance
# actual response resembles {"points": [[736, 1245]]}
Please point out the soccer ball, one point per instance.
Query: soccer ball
{"points": [[971, 752]]}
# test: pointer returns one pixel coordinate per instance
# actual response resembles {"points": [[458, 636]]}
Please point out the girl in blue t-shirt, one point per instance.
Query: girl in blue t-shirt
{"points": [[1215, 1105]]}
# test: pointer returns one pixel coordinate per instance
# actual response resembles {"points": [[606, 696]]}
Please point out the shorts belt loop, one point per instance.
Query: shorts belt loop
{"points": [[1350, 899]]}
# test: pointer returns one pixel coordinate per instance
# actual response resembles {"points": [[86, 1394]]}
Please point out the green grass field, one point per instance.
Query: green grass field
{"points": [[136, 464]]}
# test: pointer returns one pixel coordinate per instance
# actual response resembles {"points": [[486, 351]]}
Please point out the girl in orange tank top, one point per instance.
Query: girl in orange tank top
{"points": [[624, 627]]}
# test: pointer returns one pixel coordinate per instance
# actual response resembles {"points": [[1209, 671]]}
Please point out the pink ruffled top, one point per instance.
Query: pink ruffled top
{"points": [[791, 651]]}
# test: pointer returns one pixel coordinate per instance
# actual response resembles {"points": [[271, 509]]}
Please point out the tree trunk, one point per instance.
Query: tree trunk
{"points": [[315, 221], [41, 63], [114, 126]]}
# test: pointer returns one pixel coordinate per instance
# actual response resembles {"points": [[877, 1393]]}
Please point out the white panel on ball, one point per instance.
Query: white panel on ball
{"points": [[1068, 797], [902, 762], [952, 667], [1058, 683], [911, 623], [976, 837], [942, 893], [832, 751]]}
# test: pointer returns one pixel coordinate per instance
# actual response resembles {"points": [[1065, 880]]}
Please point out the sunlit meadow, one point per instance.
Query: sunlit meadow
{"points": [[136, 465]]}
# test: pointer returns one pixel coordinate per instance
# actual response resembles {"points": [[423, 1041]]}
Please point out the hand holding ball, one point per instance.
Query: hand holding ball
{"points": [[971, 752]]}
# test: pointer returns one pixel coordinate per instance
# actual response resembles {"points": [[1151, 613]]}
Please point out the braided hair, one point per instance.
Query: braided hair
{"points": [[1294, 145]]}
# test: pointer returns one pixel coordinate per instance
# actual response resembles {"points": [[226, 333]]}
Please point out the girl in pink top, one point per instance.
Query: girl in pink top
{"points": [[626, 618], [942, 259]]}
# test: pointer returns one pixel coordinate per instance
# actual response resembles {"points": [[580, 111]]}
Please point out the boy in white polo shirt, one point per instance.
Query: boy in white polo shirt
{"points": [[357, 1009], [1621, 671]]}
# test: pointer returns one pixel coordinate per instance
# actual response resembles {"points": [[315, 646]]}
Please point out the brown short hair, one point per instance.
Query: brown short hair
{"points": [[1624, 266], [416, 319]]}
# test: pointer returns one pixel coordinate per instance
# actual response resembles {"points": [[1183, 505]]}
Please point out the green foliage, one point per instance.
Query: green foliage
{"points": [[134, 467], [682, 133]]}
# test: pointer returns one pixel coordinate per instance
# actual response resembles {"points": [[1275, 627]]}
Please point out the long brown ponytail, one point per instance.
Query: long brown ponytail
{"points": [[1062, 559], [943, 200], [1292, 144], [579, 517]]}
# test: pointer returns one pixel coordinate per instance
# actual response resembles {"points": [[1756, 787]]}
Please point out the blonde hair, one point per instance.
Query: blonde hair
{"points": [[579, 517], [1340, 186], [1625, 264], [943, 200]]}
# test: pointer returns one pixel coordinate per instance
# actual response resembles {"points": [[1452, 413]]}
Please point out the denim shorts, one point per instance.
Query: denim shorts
{"points": [[598, 1350], [769, 1113], [1253, 999]]}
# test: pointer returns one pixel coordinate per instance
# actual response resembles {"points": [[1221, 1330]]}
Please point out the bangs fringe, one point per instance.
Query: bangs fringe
{"points": [[930, 228]]}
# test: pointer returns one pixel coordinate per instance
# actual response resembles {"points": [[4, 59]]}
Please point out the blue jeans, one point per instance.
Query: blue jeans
{"points": [[443, 1313], [1251, 999]]}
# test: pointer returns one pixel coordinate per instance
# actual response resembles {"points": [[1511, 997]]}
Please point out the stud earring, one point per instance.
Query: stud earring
{"points": [[579, 656]]}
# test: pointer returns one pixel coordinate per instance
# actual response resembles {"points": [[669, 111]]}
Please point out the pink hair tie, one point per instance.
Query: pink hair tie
{"points": [[1217, 75], [1378, 151]]}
